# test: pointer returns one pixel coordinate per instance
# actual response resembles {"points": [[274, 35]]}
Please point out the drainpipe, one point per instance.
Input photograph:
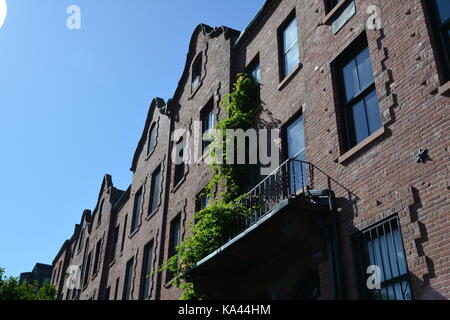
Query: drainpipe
{"points": [[162, 227], [336, 255]]}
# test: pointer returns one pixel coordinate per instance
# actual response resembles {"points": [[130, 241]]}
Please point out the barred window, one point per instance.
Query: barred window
{"points": [[382, 246]]}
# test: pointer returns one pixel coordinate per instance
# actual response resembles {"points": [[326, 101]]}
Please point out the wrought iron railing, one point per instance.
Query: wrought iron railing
{"points": [[293, 178]]}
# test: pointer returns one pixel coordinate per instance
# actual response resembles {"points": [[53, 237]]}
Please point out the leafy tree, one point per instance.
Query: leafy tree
{"points": [[11, 289]]}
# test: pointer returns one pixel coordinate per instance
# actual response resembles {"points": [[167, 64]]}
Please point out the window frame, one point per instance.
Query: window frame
{"points": [[145, 286], [128, 280], [442, 42], [152, 139], [154, 186], [196, 71], [346, 107], [115, 242], [99, 212], [254, 65], [207, 113], [124, 233], [361, 245], [98, 248], [172, 244], [137, 210], [199, 200], [284, 73], [87, 269], [179, 169]]}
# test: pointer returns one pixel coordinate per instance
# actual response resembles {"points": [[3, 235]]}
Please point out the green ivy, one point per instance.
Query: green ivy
{"points": [[211, 227]]}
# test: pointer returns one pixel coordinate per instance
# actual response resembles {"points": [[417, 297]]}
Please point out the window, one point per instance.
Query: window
{"points": [[175, 240], [117, 289], [128, 280], [136, 210], [254, 70], [202, 201], [80, 243], [296, 151], [154, 191], [147, 269], [196, 73], [208, 122], [440, 14], [175, 234], [358, 94], [107, 293], [100, 210], [180, 167], [98, 248], [382, 246], [114, 243], [87, 269], [151, 139], [289, 47], [124, 233]]}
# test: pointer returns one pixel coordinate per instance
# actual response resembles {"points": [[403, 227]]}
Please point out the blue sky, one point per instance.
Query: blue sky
{"points": [[73, 105]]}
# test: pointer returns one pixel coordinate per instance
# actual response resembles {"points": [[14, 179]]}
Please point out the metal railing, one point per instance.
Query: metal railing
{"points": [[293, 178]]}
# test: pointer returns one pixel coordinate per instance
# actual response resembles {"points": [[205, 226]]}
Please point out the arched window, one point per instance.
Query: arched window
{"points": [[151, 139]]}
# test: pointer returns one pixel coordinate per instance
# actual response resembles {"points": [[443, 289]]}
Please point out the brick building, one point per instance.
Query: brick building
{"points": [[41, 273], [360, 92]]}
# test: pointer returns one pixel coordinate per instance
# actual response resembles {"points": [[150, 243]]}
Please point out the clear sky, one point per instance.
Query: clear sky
{"points": [[73, 105]]}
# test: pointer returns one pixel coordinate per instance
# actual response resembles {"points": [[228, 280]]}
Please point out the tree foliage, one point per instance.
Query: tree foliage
{"points": [[11, 289]]}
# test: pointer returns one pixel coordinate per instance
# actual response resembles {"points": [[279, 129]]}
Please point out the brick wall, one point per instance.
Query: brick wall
{"points": [[378, 179]]}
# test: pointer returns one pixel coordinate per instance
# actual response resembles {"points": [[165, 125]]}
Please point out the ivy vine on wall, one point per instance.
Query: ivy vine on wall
{"points": [[211, 226]]}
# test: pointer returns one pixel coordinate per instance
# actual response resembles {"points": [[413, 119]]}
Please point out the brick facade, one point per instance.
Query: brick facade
{"points": [[377, 179]]}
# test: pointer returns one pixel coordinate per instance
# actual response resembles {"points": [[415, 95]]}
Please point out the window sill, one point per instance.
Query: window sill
{"points": [[169, 283], [94, 276], [134, 232], [289, 77], [151, 215], [194, 92], [150, 154], [112, 263], [179, 184], [444, 90], [328, 20], [355, 150]]}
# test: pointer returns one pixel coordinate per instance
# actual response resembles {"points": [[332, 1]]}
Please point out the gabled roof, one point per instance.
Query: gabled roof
{"points": [[157, 103], [205, 30]]}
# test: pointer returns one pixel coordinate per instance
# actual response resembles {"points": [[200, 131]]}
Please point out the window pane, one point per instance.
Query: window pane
{"points": [[147, 269], [290, 35], [443, 7], [350, 80], [256, 73], [296, 137], [152, 139], [128, 280], [291, 59], [365, 72], [361, 131], [155, 190], [373, 112]]}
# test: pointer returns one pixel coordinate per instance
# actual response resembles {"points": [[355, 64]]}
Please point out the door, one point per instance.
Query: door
{"points": [[296, 153]]}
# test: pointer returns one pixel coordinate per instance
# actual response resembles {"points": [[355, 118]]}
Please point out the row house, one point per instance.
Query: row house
{"points": [[360, 93]]}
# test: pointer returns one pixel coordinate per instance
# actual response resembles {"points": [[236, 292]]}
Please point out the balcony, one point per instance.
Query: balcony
{"points": [[273, 253]]}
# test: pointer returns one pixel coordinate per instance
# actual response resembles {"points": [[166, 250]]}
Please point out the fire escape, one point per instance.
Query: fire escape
{"points": [[275, 252]]}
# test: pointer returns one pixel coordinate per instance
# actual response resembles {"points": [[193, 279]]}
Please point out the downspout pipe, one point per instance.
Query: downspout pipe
{"points": [[165, 111], [336, 252]]}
